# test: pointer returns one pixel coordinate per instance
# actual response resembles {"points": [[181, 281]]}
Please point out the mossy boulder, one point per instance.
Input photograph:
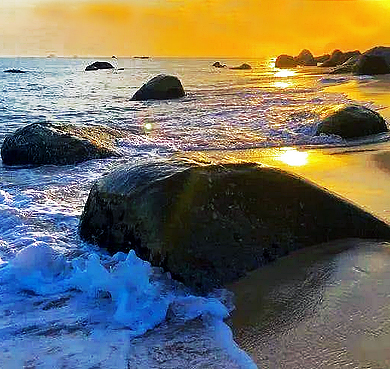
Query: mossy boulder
{"points": [[161, 87], [47, 143], [352, 121], [210, 224]]}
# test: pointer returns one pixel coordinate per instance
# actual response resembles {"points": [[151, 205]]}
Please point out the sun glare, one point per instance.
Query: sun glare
{"points": [[293, 157]]}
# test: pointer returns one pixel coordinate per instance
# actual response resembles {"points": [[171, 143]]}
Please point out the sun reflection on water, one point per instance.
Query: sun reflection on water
{"points": [[285, 73], [293, 157]]}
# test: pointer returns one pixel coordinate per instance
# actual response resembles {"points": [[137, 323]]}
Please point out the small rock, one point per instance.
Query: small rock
{"points": [[99, 65], [161, 87]]}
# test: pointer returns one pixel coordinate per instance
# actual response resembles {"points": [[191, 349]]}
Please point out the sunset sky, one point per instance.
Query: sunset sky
{"points": [[251, 28]]}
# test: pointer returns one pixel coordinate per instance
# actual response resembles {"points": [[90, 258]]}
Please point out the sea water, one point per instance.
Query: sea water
{"points": [[66, 303]]}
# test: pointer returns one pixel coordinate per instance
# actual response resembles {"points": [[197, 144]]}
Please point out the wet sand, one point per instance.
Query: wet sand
{"points": [[323, 307]]}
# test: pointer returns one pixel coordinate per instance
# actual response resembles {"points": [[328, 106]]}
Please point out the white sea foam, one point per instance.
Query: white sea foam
{"points": [[106, 294]]}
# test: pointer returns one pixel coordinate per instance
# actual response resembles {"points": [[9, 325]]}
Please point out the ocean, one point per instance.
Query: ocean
{"points": [[68, 304]]}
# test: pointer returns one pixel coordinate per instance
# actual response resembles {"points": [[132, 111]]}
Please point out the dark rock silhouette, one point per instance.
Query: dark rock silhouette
{"points": [[305, 58], [47, 143], [242, 67], [161, 87], [338, 58], [321, 58], [209, 225], [99, 65], [347, 67], [219, 65], [353, 121], [285, 61], [371, 65], [14, 71]]}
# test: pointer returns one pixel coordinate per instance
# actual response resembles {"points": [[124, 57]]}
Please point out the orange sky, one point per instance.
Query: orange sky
{"points": [[251, 28]]}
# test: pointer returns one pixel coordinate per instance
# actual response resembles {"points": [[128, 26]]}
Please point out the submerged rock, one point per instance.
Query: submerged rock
{"points": [[47, 143], [305, 58], [161, 87], [285, 61], [242, 67], [99, 65], [209, 225], [353, 121], [14, 71]]}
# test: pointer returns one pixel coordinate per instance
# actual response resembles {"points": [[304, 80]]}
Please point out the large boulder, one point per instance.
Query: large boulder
{"points": [[285, 61], [381, 51], [305, 58], [161, 87], [244, 66], [210, 224], [353, 121], [371, 65], [99, 65], [47, 143]]}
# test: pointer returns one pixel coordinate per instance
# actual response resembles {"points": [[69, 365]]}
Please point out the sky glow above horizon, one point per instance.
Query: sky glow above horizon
{"points": [[215, 28]]}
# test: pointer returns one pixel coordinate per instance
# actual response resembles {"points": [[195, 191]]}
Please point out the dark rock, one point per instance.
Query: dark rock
{"points": [[338, 58], [353, 121], [321, 58], [285, 61], [209, 225], [219, 65], [305, 58], [347, 67], [46, 143], [99, 65], [381, 51], [371, 65], [242, 67], [14, 71], [161, 87]]}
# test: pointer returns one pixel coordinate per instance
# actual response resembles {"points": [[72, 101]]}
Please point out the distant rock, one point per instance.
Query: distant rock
{"points": [[321, 58], [161, 87], [338, 58], [381, 51], [347, 67], [352, 122], [99, 65], [210, 224], [242, 67], [305, 58], [219, 65], [374, 61], [14, 71], [47, 143], [285, 61]]}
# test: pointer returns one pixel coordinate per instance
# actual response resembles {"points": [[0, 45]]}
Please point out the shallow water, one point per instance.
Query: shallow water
{"points": [[50, 315]]}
